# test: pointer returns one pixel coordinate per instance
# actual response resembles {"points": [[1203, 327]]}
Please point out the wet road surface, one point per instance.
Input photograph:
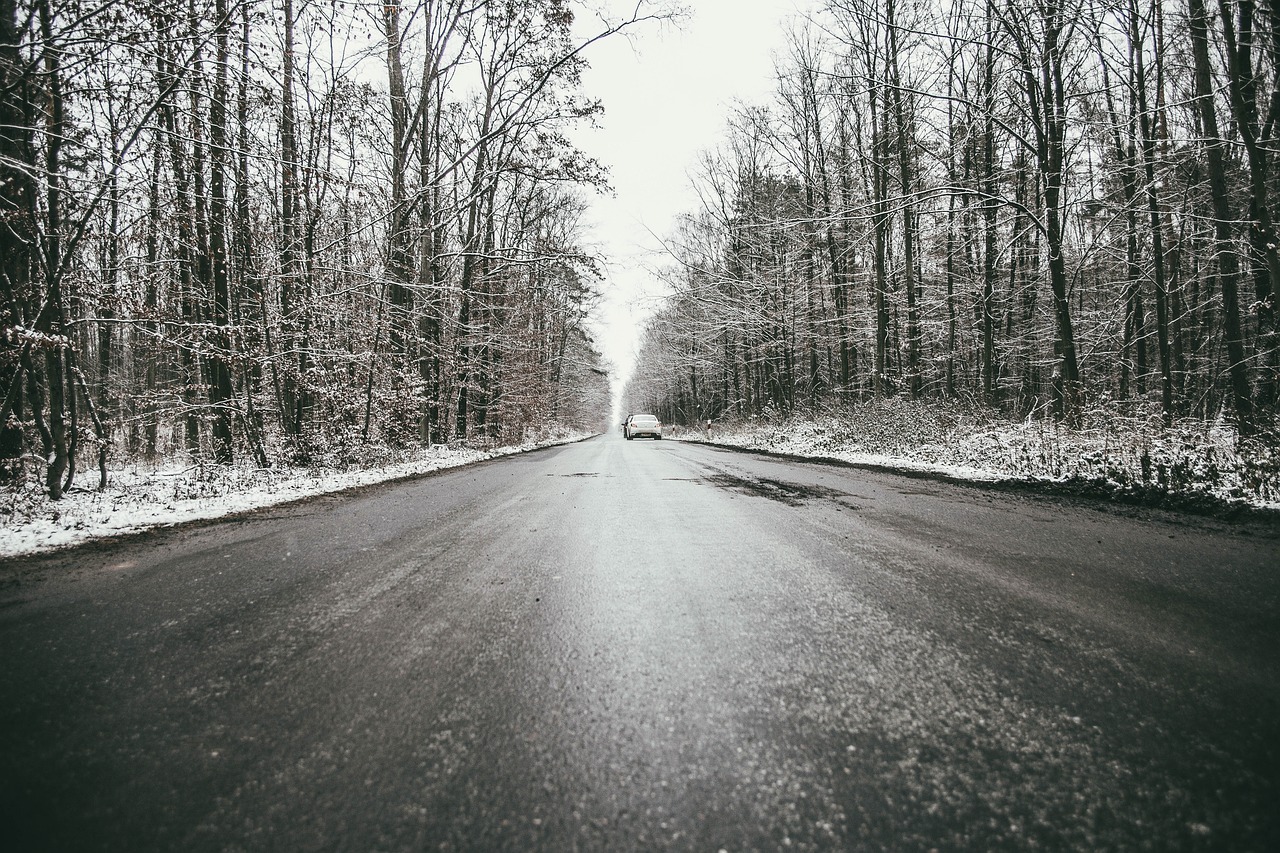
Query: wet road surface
{"points": [[649, 645]]}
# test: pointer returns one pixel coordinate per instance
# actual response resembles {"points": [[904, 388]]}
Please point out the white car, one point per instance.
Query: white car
{"points": [[642, 425]]}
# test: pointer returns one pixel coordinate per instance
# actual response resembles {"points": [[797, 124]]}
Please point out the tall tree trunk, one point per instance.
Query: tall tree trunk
{"points": [[1242, 84], [200, 365], [249, 294], [1046, 94], [990, 207], [149, 413], [880, 295], [399, 262], [220, 391], [17, 236], [472, 270], [1133, 351], [110, 262], [1228, 262], [291, 391], [55, 313], [1153, 208], [905, 144], [184, 214]]}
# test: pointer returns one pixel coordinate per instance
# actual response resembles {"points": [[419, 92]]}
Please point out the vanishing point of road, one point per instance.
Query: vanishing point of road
{"points": [[662, 645]]}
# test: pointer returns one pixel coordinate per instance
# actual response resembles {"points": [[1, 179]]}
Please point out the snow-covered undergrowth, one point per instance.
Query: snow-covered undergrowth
{"points": [[138, 498], [1128, 456]]}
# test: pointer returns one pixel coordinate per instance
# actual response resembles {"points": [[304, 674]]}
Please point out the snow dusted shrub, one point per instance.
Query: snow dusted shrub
{"points": [[348, 452], [1257, 465], [23, 501], [201, 483], [1116, 449], [205, 482], [547, 432]]}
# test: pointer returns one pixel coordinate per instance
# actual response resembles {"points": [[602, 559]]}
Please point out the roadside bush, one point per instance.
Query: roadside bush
{"points": [[1113, 449]]}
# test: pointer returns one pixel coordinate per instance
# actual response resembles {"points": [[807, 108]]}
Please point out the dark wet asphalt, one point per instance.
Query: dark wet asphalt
{"points": [[630, 646]]}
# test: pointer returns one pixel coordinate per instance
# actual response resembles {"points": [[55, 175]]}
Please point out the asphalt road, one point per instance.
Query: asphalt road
{"points": [[649, 645]]}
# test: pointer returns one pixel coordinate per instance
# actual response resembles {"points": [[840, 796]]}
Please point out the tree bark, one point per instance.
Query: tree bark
{"points": [[1228, 262], [55, 314], [220, 390]]}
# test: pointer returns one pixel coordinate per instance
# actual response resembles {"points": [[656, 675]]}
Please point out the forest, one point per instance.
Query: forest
{"points": [[236, 232], [1050, 209]]}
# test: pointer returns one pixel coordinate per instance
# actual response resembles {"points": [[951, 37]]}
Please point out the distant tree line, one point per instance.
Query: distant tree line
{"points": [[1041, 205], [283, 231]]}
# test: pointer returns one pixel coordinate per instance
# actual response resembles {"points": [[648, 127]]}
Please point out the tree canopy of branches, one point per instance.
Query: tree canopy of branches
{"points": [[1042, 206], [282, 231]]}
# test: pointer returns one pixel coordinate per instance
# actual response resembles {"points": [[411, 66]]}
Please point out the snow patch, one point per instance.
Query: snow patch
{"points": [[138, 499], [1191, 460]]}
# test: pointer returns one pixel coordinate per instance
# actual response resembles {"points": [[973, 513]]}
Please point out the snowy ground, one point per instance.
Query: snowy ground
{"points": [[1189, 465], [138, 499]]}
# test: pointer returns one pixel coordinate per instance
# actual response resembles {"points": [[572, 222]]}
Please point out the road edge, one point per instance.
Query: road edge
{"points": [[1095, 494], [12, 563]]}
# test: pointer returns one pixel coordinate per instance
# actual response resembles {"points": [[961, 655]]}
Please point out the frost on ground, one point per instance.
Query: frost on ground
{"points": [[1135, 457], [137, 499]]}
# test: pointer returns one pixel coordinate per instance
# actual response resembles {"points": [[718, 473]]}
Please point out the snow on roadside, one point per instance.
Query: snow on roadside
{"points": [[137, 500], [1187, 462], [809, 443]]}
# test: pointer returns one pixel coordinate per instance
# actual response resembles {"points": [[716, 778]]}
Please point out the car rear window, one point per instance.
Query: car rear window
{"points": [[644, 420]]}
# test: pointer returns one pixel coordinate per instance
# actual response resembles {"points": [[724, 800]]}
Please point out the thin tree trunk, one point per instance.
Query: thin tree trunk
{"points": [[290, 391], [905, 143], [1228, 262], [990, 205], [17, 205], [1153, 208], [220, 391], [55, 366]]}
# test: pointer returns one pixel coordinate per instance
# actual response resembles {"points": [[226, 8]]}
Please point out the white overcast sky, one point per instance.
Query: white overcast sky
{"points": [[667, 93]]}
